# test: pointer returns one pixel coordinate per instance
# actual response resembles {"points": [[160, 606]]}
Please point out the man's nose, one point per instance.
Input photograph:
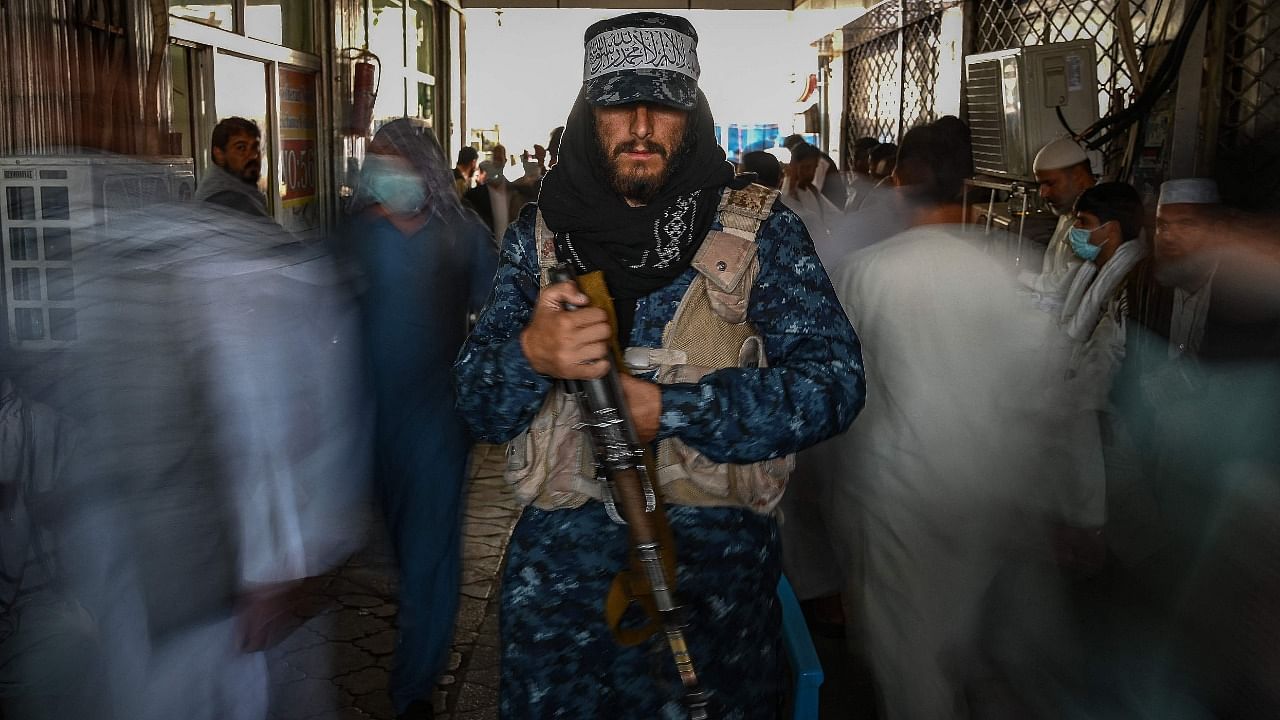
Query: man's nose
{"points": [[641, 121]]}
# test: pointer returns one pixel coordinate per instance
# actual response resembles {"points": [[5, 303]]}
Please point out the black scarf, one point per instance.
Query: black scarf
{"points": [[640, 249]]}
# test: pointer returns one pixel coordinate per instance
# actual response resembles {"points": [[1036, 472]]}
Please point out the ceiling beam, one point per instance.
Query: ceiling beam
{"points": [[635, 4]]}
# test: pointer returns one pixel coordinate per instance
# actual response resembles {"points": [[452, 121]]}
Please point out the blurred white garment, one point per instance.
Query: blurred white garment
{"points": [[952, 468], [817, 213], [1093, 316], [860, 187], [217, 380], [883, 215], [1058, 256]]}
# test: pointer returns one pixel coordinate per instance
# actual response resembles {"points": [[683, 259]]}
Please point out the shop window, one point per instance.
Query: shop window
{"points": [[218, 14], [181, 102], [386, 34], [283, 22], [426, 100], [402, 35], [22, 244], [21, 202], [420, 33], [454, 90], [240, 89]]}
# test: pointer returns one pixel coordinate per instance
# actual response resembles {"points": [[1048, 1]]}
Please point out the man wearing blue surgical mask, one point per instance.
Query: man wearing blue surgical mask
{"points": [[1082, 243], [426, 263], [1105, 234]]}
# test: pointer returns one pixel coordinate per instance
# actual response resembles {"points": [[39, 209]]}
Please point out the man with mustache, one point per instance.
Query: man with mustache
{"points": [[232, 180], [738, 354], [1062, 172]]}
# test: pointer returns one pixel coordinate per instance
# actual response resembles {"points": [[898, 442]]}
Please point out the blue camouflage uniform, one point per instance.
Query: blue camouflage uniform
{"points": [[559, 659]]}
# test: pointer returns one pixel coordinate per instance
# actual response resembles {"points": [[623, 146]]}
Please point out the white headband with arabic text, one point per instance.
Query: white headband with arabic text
{"points": [[640, 49]]}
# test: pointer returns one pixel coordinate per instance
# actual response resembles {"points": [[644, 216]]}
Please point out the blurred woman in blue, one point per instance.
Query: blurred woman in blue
{"points": [[426, 264]]}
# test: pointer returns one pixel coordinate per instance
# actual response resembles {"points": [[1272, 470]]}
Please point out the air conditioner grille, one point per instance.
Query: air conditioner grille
{"points": [[986, 117]]}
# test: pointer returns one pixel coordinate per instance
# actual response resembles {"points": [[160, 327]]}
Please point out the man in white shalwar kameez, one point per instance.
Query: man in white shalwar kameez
{"points": [[940, 491], [216, 382], [1062, 172]]}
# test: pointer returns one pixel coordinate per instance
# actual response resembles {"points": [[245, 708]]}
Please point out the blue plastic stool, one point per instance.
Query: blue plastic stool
{"points": [[806, 670]]}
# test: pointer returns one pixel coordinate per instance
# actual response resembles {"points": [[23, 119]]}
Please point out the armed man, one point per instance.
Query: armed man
{"points": [[737, 355]]}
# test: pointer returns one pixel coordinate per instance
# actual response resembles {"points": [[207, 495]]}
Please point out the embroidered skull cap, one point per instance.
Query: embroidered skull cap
{"points": [[642, 57]]}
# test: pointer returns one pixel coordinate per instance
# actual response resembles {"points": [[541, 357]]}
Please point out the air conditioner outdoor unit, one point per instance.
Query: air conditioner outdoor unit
{"points": [[1021, 99], [54, 207]]}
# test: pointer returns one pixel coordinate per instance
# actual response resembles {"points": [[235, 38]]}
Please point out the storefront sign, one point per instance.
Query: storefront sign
{"points": [[299, 163]]}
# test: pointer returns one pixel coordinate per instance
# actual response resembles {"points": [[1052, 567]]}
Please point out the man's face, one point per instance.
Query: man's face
{"points": [[639, 142], [1060, 188], [801, 172], [242, 157], [1182, 245]]}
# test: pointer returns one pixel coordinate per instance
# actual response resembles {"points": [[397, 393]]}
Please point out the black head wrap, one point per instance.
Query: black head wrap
{"points": [[411, 140], [640, 249]]}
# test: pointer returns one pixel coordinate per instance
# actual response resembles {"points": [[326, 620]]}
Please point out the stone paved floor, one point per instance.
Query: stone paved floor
{"points": [[335, 666]]}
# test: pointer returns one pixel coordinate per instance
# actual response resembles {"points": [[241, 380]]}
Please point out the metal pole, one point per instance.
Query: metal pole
{"points": [[1186, 113]]}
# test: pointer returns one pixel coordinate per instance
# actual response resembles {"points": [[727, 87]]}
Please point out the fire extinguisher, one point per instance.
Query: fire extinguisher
{"points": [[366, 79]]}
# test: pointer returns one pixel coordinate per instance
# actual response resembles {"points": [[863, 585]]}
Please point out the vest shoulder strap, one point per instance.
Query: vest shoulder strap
{"points": [[743, 211], [727, 258]]}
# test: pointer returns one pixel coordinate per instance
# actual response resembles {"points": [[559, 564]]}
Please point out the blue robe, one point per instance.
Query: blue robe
{"points": [[418, 293], [558, 657]]}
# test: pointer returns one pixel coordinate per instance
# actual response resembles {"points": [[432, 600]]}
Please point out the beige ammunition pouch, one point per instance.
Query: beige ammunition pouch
{"points": [[550, 464]]}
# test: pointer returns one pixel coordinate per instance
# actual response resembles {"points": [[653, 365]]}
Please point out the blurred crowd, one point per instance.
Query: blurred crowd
{"points": [[1061, 499]]}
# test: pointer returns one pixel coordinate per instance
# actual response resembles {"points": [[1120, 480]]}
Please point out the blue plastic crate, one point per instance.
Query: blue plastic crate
{"points": [[806, 670]]}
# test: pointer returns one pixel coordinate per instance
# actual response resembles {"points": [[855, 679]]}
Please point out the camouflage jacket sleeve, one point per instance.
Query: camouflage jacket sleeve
{"points": [[498, 392], [814, 385]]}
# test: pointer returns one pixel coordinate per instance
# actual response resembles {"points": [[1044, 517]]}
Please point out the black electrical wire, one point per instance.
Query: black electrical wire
{"points": [[1160, 82], [1163, 78], [1063, 119]]}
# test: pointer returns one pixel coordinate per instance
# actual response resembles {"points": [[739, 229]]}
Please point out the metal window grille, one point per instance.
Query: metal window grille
{"points": [[893, 68], [1247, 141], [874, 97], [920, 59]]}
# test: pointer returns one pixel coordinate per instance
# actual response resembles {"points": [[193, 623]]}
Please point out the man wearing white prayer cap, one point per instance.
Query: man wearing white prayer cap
{"points": [[1062, 170], [1185, 219], [1186, 216]]}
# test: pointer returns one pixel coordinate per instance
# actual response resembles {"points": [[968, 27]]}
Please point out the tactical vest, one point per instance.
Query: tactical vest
{"points": [[550, 463]]}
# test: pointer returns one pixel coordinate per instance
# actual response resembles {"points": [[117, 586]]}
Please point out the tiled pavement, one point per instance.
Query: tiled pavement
{"points": [[335, 666]]}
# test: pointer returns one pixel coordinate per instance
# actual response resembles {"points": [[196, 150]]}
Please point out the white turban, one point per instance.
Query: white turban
{"points": [[1061, 153], [1195, 191]]}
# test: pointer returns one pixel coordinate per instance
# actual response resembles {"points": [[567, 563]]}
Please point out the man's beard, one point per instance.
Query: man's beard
{"points": [[251, 172], [637, 184], [1186, 272]]}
